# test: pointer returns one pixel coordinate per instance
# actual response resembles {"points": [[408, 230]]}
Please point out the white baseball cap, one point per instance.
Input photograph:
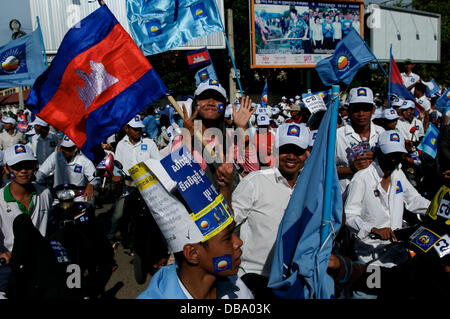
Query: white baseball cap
{"points": [[67, 142], [390, 114], [360, 95], [31, 132], [284, 98], [38, 121], [397, 102], [136, 122], [262, 119], [8, 120], [275, 110], [377, 114], [210, 85], [391, 141], [292, 133], [407, 104], [18, 153]]}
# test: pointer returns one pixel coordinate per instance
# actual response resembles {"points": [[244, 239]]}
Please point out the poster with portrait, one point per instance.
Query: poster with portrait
{"points": [[300, 33]]}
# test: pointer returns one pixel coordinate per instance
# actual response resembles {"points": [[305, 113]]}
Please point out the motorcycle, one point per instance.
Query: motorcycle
{"points": [[73, 225], [143, 235], [104, 170]]}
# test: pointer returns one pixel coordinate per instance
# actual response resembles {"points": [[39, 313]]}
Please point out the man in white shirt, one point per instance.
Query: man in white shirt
{"points": [[410, 127], [355, 142], [21, 196], [409, 78], [70, 166], [10, 135], [376, 199], [43, 143], [131, 150], [419, 94], [260, 199]]}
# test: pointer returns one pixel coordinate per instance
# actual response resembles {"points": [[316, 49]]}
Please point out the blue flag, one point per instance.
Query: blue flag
{"points": [[429, 143], [351, 53], [161, 25], [433, 89], [205, 74], [301, 255], [21, 61], [264, 96], [443, 103]]}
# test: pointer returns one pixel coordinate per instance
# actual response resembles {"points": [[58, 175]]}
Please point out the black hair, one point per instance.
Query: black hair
{"points": [[421, 87]]}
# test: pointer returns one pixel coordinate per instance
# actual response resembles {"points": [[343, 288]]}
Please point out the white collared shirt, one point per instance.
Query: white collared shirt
{"points": [[7, 140], [80, 171], [346, 138], [259, 202], [425, 102], [368, 205], [129, 155], [42, 202], [410, 79], [404, 127], [43, 147]]}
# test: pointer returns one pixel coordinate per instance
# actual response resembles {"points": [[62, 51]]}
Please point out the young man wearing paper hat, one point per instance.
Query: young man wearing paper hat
{"points": [[410, 127], [261, 198], [352, 153], [21, 196], [70, 166], [376, 199], [43, 143], [10, 135]]}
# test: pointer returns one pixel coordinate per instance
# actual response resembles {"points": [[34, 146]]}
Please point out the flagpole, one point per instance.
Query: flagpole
{"points": [[330, 167], [42, 41], [390, 70]]}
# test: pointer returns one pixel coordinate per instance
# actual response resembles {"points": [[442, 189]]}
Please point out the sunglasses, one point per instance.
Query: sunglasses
{"points": [[361, 107], [23, 165]]}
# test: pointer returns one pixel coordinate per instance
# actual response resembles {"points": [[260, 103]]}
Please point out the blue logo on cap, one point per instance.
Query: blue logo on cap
{"points": [[362, 92], [19, 149], [137, 118], [66, 138], [395, 137], [293, 130], [393, 112], [213, 82]]}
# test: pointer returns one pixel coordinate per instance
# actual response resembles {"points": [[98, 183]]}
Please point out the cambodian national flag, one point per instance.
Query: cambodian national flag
{"points": [[198, 58], [429, 143], [98, 80], [398, 88]]}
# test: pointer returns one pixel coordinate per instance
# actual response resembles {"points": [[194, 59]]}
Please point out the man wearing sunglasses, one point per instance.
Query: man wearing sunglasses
{"points": [[355, 142], [260, 200], [21, 196]]}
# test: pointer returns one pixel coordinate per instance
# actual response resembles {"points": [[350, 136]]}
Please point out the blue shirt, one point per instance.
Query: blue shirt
{"points": [[151, 126]]}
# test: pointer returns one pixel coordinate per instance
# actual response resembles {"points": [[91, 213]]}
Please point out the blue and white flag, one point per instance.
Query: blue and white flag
{"points": [[304, 240], [264, 96], [351, 53], [21, 61], [443, 103], [433, 88], [161, 25], [429, 143], [205, 74]]}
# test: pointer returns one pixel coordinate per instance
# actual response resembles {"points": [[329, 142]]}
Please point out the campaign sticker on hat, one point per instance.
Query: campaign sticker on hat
{"points": [[398, 188], [214, 82], [395, 137], [293, 130], [18, 149], [362, 92], [222, 263], [77, 168], [424, 238]]}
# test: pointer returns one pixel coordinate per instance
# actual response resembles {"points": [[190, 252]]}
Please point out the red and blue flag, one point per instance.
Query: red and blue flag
{"points": [[198, 58], [398, 88], [98, 80]]}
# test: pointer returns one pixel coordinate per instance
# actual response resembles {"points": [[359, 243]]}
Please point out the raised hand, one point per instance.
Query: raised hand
{"points": [[242, 116]]}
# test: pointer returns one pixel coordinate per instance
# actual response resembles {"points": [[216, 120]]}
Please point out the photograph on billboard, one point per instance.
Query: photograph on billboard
{"points": [[300, 33]]}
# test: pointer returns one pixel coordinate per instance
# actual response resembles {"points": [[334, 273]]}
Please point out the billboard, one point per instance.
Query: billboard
{"points": [[414, 35], [300, 33]]}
